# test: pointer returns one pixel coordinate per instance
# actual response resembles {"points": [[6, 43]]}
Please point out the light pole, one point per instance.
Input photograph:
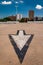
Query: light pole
{"points": [[16, 12], [16, 9]]}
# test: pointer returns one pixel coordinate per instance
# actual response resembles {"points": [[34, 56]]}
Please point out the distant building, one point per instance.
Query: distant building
{"points": [[38, 18], [35, 18], [31, 15], [13, 18], [18, 16], [42, 18]]}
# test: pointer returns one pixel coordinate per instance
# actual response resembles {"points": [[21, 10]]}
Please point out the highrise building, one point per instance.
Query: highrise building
{"points": [[31, 15]]}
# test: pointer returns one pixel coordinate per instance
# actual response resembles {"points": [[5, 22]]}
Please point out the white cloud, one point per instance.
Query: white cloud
{"points": [[16, 2], [39, 7], [6, 3], [21, 1]]}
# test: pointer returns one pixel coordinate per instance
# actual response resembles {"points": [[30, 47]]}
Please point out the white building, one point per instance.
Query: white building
{"points": [[19, 16]]}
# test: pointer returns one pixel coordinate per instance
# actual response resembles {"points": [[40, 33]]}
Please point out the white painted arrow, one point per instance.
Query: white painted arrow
{"points": [[20, 39]]}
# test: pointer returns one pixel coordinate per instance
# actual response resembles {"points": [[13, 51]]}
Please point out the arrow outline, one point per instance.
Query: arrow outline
{"points": [[24, 49]]}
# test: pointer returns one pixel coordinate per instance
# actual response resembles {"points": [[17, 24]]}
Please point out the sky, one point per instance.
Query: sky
{"points": [[8, 7]]}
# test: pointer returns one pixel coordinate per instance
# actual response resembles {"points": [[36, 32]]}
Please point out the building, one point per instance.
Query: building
{"points": [[35, 18], [18, 16], [38, 19], [13, 18], [42, 18], [31, 15]]}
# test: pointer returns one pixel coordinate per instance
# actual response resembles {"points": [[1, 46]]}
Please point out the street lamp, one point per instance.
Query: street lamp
{"points": [[16, 12], [16, 9]]}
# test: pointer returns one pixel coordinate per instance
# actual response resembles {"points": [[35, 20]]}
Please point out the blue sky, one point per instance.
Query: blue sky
{"points": [[7, 7]]}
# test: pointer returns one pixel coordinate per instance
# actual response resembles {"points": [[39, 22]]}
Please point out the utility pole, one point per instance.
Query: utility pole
{"points": [[16, 12]]}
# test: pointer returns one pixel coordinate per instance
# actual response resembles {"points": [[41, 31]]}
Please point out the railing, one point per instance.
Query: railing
{"points": [[35, 21], [14, 22], [9, 22]]}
